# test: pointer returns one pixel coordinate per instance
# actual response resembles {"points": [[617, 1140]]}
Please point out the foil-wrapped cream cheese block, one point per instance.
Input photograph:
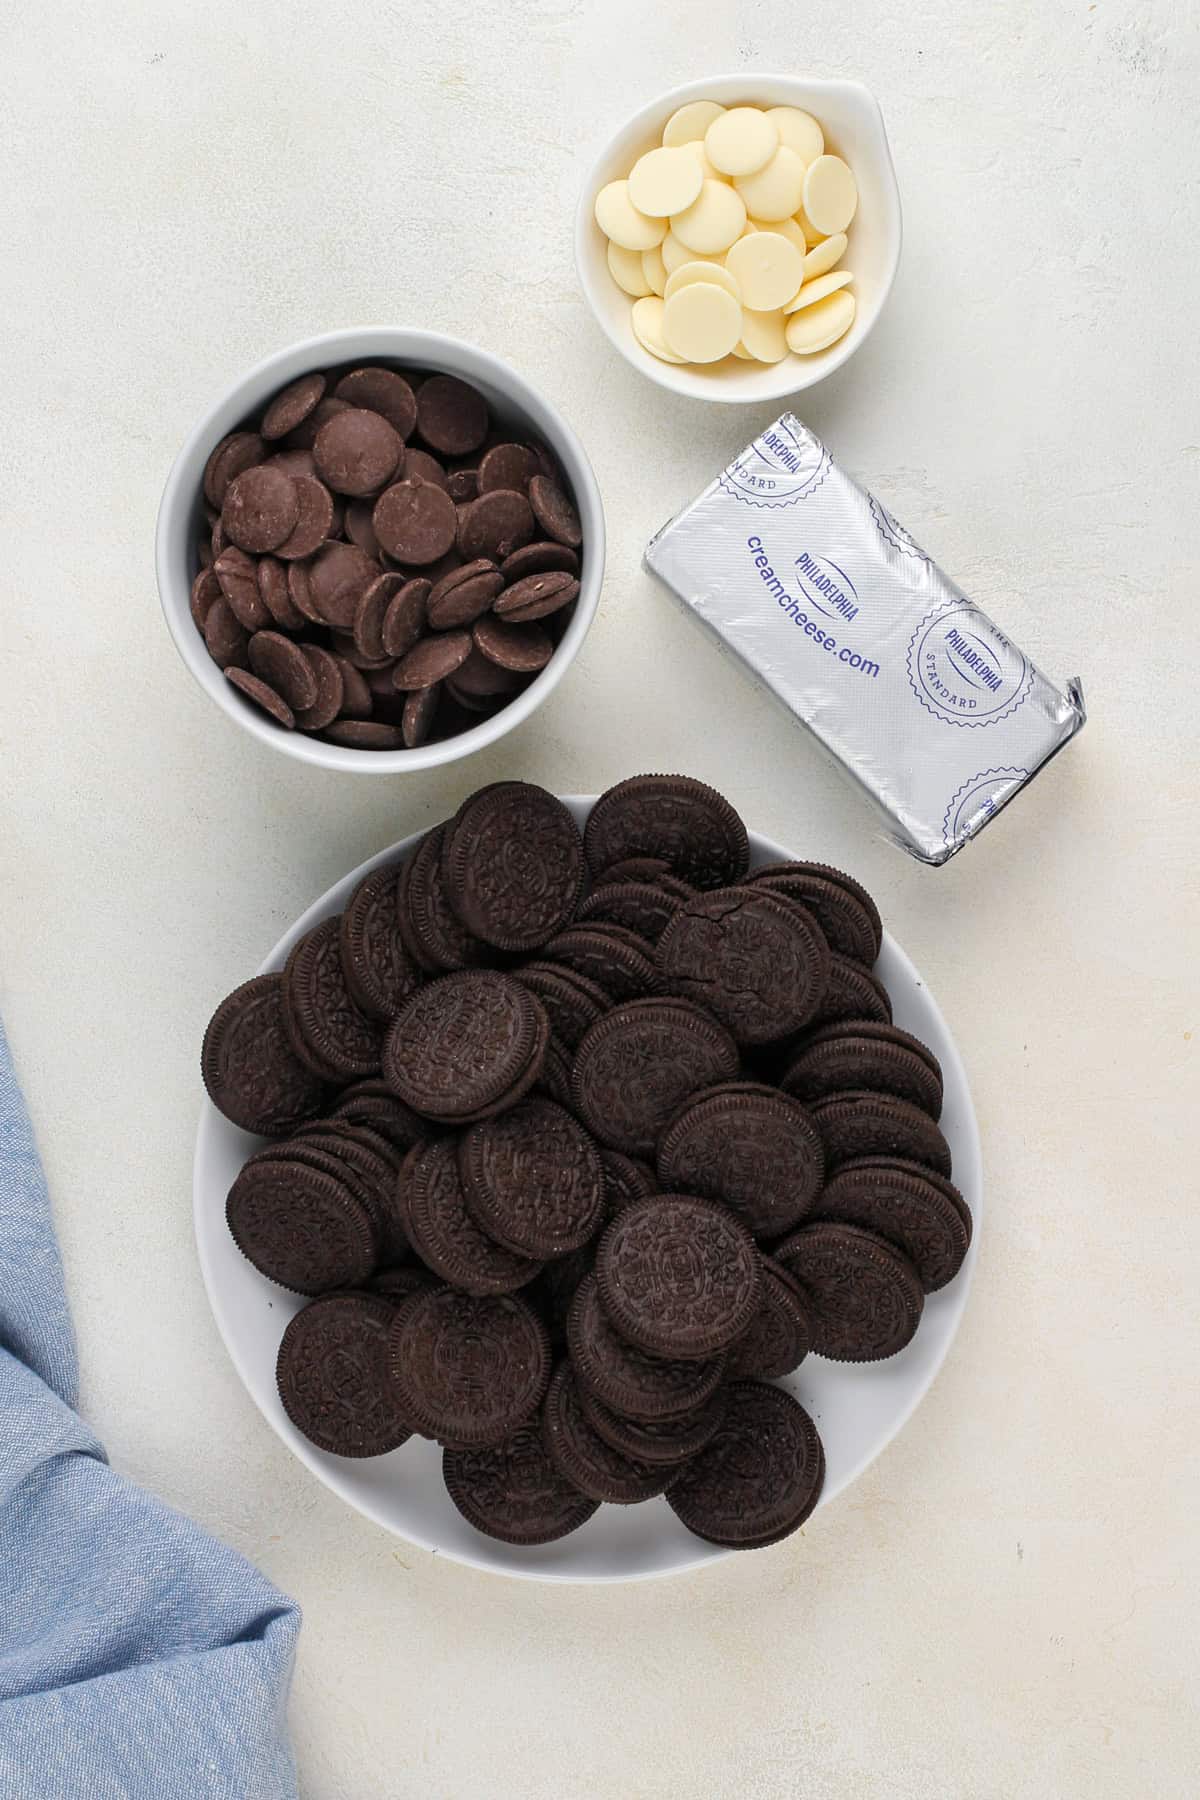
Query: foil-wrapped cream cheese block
{"points": [[813, 585]]}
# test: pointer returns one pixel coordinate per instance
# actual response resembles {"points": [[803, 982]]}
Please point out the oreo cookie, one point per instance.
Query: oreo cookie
{"points": [[860, 1123], [679, 1277], [663, 1443], [637, 1066], [614, 959], [301, 1227], [628, 1380], [638, 905], [367, 1164], [400, 1283], [864, 1296], [513, 865], [328, 1030], [852, 992], [468, 1369], [464, 1044], [758, 1478], [250, 1070], [372, 1104], [445, 1233], [683, 822], [515, 1491], [625, 1180], [749, 1146], [532, 1179], [756, 962], [918, 1211], [434, 934], [379, 972], [863, 1053], [843, 909], [582, 1456], [333, 1377], [572, 1002], [779, 1336]]}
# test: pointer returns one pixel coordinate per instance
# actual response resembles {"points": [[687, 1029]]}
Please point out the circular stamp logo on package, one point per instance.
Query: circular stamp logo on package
{"points": [[782, 466], [963, 669], [973, 804], [893, 533]]}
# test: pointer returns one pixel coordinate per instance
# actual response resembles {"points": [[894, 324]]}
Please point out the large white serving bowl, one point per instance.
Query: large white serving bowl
{"points": [[853, 125], [515, 403], [858, 1408]]}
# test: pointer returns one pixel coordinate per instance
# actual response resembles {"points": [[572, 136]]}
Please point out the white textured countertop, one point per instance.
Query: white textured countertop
{"points": [[1005, 1605]]}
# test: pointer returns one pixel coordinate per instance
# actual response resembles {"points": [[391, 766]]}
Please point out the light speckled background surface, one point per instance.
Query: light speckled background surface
{"points": [[1005, 1605]]}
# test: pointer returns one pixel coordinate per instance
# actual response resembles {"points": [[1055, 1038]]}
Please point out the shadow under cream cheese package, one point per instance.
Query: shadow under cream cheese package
{"points": [[812, 584]]}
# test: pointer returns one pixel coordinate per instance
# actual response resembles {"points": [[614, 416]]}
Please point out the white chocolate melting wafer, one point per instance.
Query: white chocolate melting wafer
{"points": [[654, 269], [830, 194], [701, 322], [787, 228], [712, 222], [811, 235], [646, 318], [764, 335], [675, 254], [619, 219], [690, 123], [775, 190], [625, 267], [798, 130], [695, 147], [665, 181], [741, 140], [827, 255], [768, 269], [812, 291], [818, 326], [700, 270]]}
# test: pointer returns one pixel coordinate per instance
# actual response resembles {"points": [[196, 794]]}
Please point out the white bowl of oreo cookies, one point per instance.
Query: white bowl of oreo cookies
{"points": [[587, 1150]]}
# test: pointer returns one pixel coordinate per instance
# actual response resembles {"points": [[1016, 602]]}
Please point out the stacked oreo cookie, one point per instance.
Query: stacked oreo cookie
{"points": [[579, 1143]]}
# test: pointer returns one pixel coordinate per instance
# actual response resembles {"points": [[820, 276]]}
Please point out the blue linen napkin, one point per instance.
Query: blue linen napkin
{"points": [[140, 1659]]}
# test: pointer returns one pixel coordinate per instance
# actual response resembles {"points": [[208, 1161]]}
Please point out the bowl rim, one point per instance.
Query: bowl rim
{"points": [[397, 343], [968, 1176], [685, 381]]}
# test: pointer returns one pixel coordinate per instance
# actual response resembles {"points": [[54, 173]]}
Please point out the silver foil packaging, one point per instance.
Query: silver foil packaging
{"points": [[812, 584]]}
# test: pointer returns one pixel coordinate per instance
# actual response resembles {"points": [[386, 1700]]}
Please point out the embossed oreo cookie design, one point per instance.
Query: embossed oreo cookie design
{"points": [[679, 1277], [760, 1476], [533, 1179], [638, 1065], [331, 1372], [514, 1492], [461, 1043], [514, 865], [781, 467], [468, 1370], [962, 668], [757, 962], [972, 805]]}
